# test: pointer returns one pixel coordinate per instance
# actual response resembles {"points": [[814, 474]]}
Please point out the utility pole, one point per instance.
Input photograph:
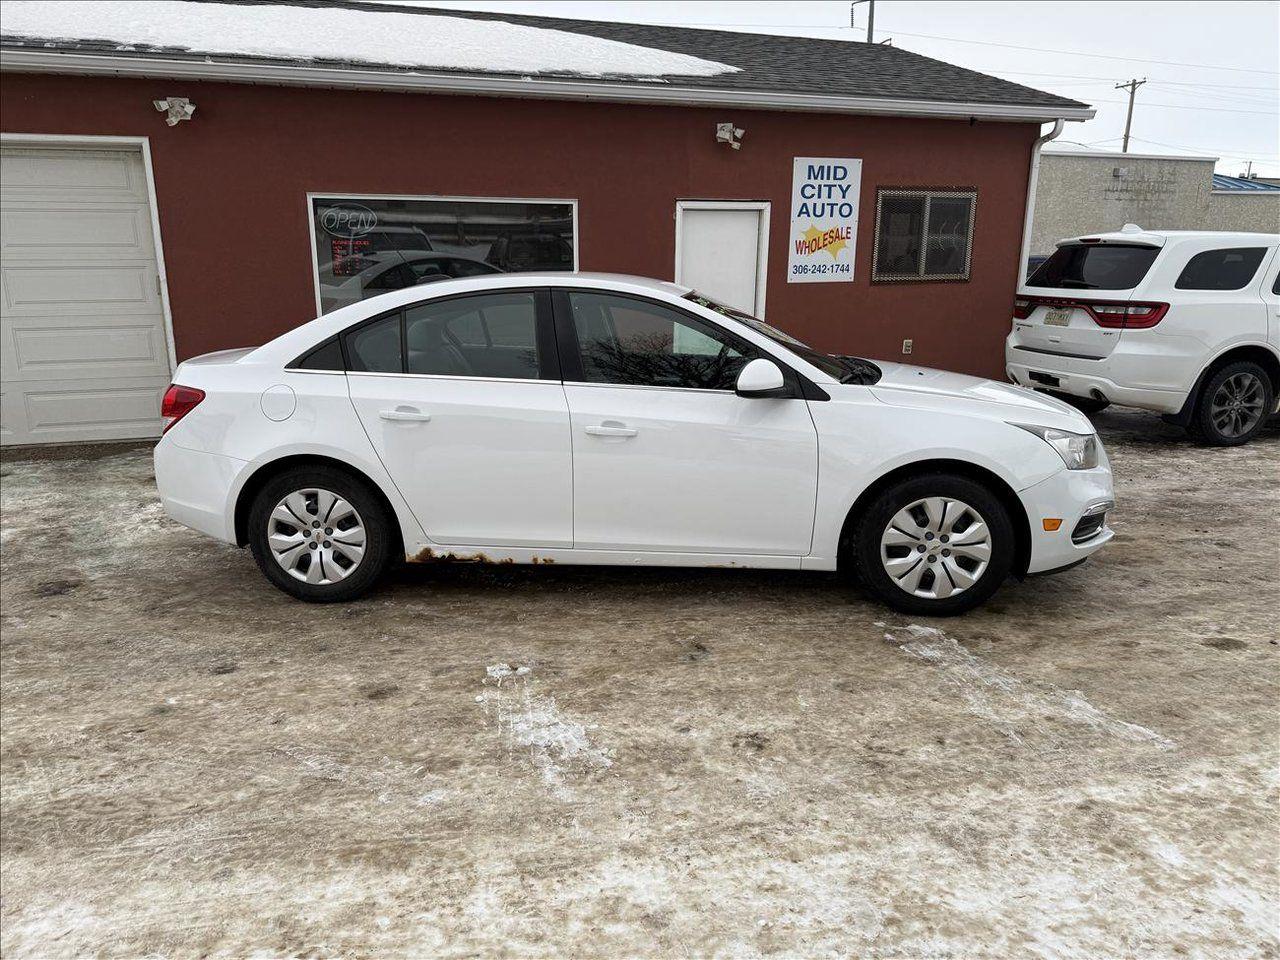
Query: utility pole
{"points": [[1132, 86], [871, 17]]}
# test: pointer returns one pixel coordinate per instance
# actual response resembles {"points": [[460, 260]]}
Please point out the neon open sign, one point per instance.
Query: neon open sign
{"points": [[348, 220]]}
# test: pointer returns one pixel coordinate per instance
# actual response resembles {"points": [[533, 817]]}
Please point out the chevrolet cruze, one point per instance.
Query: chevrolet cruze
{"points": [[596, 419]]}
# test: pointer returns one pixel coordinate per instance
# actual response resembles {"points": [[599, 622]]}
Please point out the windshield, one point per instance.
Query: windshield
{"points": [[1111, 266], [845, 369]]}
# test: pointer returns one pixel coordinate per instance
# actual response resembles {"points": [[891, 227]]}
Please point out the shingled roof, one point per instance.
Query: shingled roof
{"points": [[659, 63]]}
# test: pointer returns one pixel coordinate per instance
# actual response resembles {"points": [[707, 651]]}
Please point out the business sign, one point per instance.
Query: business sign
{"points": [[824, 219]]}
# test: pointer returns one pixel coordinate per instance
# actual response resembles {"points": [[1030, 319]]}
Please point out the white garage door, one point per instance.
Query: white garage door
{"points": [[85, 353]]}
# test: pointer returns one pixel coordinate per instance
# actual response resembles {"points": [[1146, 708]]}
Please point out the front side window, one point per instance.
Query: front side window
{"points": [[628, 341], [923, 235], [1082, 266], [359, 241], [494, 335], [1230, 269]]}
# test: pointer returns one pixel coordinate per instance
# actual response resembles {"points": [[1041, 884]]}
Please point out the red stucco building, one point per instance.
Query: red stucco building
{"points": [[303, 182]]}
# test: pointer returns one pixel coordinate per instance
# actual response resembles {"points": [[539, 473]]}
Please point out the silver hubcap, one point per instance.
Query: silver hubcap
{"points": [[316, 536], [1237, 405], [936, 547]]}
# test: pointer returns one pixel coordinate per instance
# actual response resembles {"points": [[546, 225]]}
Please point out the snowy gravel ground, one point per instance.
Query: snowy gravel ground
{"points": [[619, 763]]}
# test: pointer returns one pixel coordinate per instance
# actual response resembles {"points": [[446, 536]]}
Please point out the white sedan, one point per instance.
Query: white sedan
{"points": [[597, 419]]}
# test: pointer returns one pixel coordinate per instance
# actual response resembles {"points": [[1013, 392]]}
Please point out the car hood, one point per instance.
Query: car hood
{"points": [[908, 386]]}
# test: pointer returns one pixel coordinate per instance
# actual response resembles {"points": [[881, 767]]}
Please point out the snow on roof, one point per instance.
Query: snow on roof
{"points": [[334, 33]]}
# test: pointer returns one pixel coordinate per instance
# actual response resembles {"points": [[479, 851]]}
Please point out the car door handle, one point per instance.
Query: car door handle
{"points": [[611, 431], [405, 414]]}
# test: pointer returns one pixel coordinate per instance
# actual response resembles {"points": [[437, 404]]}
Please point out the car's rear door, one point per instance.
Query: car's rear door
{"points": [[461, 397], [666, 457], [1077, 303]]}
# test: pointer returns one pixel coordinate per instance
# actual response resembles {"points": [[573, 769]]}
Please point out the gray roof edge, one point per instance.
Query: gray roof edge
{"points": [[16, 57]]}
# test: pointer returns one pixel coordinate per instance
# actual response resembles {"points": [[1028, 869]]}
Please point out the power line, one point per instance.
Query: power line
{"points": [[1233, 154], [1081, 53], [1199, 109]]}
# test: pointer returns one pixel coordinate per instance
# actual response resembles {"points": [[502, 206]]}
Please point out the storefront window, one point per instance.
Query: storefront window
{"points": [[367, 246]]}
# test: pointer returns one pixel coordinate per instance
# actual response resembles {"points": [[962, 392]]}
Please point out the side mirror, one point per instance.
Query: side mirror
{"points": [[761, 378]]}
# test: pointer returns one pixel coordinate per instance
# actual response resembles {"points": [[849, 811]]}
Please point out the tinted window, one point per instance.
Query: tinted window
{"points": [[1096, 267], [375, 347], [1221, 269], [637, 342], [327, 356], [494, 335]]}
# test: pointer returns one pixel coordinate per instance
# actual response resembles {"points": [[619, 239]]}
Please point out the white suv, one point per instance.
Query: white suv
{"points": [[1186, 323]]}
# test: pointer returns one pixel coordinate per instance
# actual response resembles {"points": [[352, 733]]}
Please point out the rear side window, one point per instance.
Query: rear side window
{"points": [[1080, 266], [494, 335], [327, 356], [1230, 269], [375, 347]]}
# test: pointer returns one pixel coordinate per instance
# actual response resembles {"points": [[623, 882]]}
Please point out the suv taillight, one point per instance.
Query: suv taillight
{"points": [[177, 403], [1113, 314]]}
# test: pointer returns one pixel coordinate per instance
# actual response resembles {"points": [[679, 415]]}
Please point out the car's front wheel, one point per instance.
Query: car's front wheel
{"points": [[937, 544], [319, 534], [1233, 405]]}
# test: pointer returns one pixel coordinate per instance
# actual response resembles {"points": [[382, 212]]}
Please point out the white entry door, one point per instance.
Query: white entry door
{"points": [[82, 332], [722, 250]]}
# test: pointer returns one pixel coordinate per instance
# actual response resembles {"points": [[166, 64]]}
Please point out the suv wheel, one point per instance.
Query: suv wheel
{"points": [[319, 534], [936, 545], [1233, 405]]}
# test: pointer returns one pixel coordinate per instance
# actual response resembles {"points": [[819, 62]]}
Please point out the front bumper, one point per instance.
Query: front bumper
{"points": [[1081, 500]]}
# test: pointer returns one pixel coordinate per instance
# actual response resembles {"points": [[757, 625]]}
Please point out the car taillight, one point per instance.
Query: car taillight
{"points": [[1140, 316], [177, 403], [1113, 314]]}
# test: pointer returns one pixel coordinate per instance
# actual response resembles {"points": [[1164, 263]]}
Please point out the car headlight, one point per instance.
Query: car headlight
{"points": [[1079, 451]]}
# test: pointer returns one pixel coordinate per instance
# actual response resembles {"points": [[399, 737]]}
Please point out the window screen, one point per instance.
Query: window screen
{"points": [[1221, 269], [923, 234], [630, 341]]}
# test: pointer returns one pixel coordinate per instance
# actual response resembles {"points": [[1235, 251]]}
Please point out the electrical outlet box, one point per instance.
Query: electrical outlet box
{"points": [[906, 347]]}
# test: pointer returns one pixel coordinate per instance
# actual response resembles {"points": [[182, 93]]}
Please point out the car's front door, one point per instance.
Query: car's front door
{"points": [[462, 400], [666, 457]]}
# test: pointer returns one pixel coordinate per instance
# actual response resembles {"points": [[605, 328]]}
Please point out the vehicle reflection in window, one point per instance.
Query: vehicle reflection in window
{"points": [[628, 341]]}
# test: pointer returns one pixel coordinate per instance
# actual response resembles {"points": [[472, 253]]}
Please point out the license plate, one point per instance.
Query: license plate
{"points": [[1057, 316]]}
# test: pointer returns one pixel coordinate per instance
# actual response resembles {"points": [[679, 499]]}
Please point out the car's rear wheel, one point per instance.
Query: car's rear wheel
{"points": [[938, 545], [1233, 405], [319, 534]]}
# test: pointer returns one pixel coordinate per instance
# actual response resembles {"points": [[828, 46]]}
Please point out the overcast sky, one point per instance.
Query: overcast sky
{"points": [[1213, 67]]}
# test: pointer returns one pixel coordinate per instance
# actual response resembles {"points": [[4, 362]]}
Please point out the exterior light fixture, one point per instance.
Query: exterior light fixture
{"points": [[176, 108], [728, 133]]}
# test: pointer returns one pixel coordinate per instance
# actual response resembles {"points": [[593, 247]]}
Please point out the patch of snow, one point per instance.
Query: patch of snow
{"points": [[556, 744], [501, 671], [1011, 704], [426, 41]]}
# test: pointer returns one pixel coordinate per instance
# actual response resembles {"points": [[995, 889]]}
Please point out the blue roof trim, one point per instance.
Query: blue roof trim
{"points": [[1222, 182]]}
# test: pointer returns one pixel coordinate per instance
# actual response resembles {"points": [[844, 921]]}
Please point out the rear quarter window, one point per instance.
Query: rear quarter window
{"points": [[1080, 266], [1226, 269]]}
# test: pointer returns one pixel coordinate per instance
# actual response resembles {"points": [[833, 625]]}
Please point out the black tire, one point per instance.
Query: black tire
{"points": [[1212, 430], [372, 514], [873, 523], [1085, 405]]}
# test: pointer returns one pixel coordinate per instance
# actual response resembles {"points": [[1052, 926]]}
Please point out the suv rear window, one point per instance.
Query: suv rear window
{"points": [[1221, 269], [1080, 266]]}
